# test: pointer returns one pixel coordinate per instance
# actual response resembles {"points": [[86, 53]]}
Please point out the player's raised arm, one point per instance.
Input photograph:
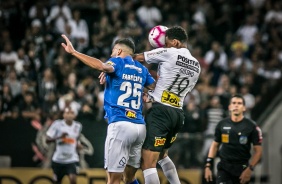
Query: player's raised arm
{"points": [[90, 61], [139, 57]]}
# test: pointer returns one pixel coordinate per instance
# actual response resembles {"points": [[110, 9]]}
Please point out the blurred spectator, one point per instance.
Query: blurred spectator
{"points": [[14, 83], [47, 84], [6, 102], [213, 114], [249, 100], [38, 11], [79, 31], [191, 138], [216, 58], [248, 30], [29, 108], [149, 14], [60, 14], [8, 56]]}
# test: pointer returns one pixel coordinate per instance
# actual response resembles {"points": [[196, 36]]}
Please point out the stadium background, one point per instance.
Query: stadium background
{"points": [[238, 43]]}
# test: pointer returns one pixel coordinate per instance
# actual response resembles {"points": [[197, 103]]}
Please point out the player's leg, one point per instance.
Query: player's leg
{"points": [[168, 168], [176, 117], [223, 177], [58, 171], [148, 165], [129, 175], [72, 178], [121, 136], [156, 137], [72, 171], [134, 154]]}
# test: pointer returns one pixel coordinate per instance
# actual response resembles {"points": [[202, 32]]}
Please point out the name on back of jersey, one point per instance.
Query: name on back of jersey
{"points": [[170, 98], [132, 78], [188, 63]]}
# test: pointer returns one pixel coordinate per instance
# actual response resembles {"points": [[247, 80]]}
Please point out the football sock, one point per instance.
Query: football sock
{"points": [[151, 176], [169, 170]]}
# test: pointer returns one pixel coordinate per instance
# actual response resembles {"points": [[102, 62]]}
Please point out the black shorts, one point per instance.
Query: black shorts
{"points": [[162, 124], [60, 170], [228, 173]]}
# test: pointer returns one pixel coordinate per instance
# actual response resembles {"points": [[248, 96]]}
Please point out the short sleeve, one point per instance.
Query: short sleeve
{"points": [[157, 55], [149, 78], [217, 134], [52, 131], [115, 63], [256, 136]]}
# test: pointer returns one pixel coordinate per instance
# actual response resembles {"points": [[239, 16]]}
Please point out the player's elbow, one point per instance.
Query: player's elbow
{"points": [[106, 68]]}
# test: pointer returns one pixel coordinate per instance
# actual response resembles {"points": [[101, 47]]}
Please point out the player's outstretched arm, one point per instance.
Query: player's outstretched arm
{"points": [[139, 57], [90, 61]]}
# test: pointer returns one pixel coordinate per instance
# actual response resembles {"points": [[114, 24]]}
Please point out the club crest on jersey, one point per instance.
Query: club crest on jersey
{"points": [[170, 98], [110, 63], [173, 139], [243, 139], [130, 114], [159, 141]]}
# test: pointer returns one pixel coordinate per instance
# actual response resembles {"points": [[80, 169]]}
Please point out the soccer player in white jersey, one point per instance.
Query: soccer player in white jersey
{"points": [[125, 81], [65, 133], [178, 73]]}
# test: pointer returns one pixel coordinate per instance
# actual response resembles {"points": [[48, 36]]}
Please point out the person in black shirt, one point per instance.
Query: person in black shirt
{"points": [[236, 134]]}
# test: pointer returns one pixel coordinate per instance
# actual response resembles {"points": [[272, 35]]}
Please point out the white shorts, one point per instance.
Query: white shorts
{"points": [[123, 145]]}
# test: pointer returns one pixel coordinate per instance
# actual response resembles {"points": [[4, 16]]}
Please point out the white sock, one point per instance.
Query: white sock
{"points": [[169, 170], [151, 176]]}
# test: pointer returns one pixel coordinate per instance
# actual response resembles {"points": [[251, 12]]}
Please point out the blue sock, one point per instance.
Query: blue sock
{"points": [[134, 182]]}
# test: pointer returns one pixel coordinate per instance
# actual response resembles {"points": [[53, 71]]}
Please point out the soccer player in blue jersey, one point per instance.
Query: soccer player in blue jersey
{"points": [[125, 81]]}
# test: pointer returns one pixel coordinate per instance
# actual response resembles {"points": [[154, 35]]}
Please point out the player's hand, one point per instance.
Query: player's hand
{"points": [[146, 97], [68, 46], [102, 77], [245, 176], [208, 174], [64, 135]]}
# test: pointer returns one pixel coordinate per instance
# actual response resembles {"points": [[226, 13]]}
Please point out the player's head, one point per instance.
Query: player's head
{"points": [[237, 105], [123, 47], [176, 37], [69, 114]]}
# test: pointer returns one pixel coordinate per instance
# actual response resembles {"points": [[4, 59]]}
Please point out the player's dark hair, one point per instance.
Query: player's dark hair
{"points": [[125, 41], [178, 33], [238, 96]]}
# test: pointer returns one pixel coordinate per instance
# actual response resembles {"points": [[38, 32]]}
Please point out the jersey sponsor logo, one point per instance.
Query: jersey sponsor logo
{"points": [[226, 128], [173, 139], [110, 63], [243, 139], [170, 98], [179, 63], [159, 141], [139, 70], [188, 63], [130, 114], [68, 140], [186, 72], [225, 138], [122, 162], [156, 53]]}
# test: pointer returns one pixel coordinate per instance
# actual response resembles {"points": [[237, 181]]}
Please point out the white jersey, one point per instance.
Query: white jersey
{"points": [[178, 73], [66, 147]]}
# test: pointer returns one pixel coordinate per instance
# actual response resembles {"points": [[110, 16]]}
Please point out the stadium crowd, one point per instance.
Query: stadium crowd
{"points": [[237, 42]]}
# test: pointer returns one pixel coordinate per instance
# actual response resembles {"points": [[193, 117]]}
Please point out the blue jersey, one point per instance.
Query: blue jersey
{"points": [[123, 92]]}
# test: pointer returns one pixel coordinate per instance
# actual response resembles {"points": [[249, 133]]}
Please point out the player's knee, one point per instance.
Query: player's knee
{"points": [[72, 178]]}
